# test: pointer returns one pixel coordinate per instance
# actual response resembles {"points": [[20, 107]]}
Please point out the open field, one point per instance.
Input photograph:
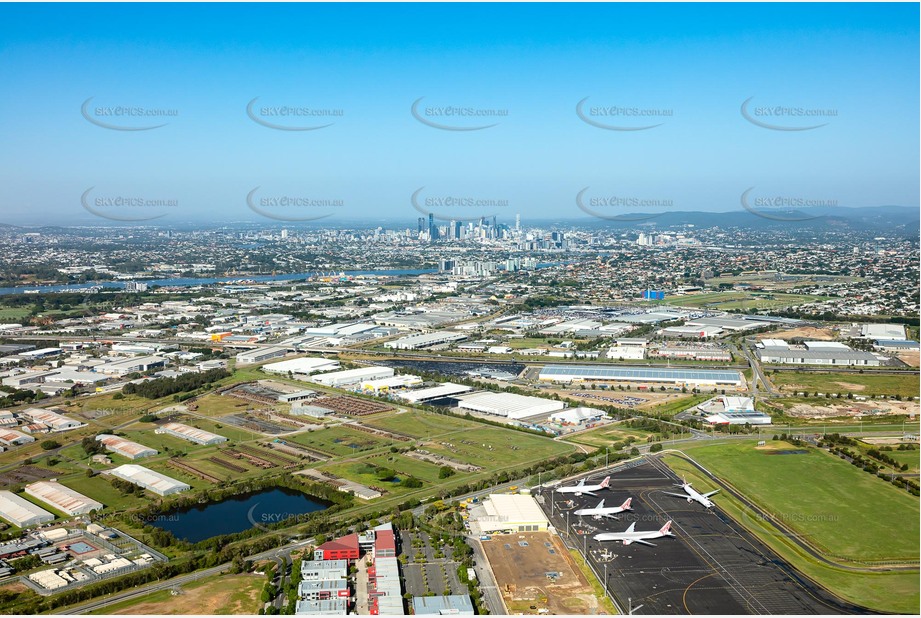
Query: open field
{"points": [[339, 440], [406, 466], [418, 424], [521, 562], [490, 446], [849, 514], [219, 405], [742, 300], [99, 488], [222, 595], [906, 385], [606, 435], [885, 591]]}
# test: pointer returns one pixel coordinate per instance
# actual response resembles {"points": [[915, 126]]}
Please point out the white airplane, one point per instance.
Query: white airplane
{"points": [[582, 488], [631, 536], [692, 495], [602, 511]]}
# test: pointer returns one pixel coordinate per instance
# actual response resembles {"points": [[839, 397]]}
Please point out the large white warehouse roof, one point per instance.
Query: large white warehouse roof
{"points": [[509, 404]]}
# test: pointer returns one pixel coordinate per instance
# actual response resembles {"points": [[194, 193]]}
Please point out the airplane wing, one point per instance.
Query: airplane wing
{"points": [[609, 516], [632, 526], [669, 493], [600, 505], [711, 493], [589, 493], [644, 542]]}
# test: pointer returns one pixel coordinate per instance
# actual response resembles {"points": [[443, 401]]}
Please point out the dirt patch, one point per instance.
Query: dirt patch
{"points": [[529, 575], [806, 332], [912, 359], [851, 387], [803, 410]]}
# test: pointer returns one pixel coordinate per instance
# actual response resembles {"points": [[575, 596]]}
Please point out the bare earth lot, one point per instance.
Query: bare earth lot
{"points": [[521, 572]]}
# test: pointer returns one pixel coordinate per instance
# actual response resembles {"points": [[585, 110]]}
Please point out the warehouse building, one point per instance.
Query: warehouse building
{"points": [[577, 416], [385, 591], [508, 512], [450, 605], [260, 355], [675, 377], [132, 365], [726, 410], [62, 498], [814, 353], [385, 385], [330, 607], [52, 420], [159, 484], [728, 322], [192, 434], [11, 437], [20, 512], [125, 448], [881, 331], [324, 589], [694, 353], [434, 393], [353, 376], [508, 405], [301, 366], [424, 340], [313, 570]]}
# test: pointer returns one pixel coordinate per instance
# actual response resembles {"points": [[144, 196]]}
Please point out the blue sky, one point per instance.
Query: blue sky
{"points": [[535, 62]]}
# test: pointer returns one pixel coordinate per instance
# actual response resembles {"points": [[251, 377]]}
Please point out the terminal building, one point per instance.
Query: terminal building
{"points": [[62, 498], [192, 434], [508, 513], [125, 448], [674, 377], [21, 512], [159, 484]]}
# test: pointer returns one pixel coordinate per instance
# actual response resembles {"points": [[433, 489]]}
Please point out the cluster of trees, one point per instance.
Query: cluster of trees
{"points": [[91, 446], [446, 472], [155, 389]]}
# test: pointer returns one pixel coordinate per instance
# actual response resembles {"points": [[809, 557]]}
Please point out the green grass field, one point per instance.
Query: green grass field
{"points": [[912, 458], [490, 446], [607, 435], [339, 440], [419, 424], [99, 488], [741, 300], [840, 509], [219, 405], [885, 591], [906, 385]]}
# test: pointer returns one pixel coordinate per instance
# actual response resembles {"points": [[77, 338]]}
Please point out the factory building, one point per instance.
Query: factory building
{"points": [[385, 592], [62, 498], [508, 512], [353, 376], [301, 366], [260, 355], [52, 420], [314, 570], [125, 448], [423, 340], [577, 416], [20, 512], [330, 607], [324, 589], [508, 405], [675, 377], [192, 434], [159, 484], [343, 548]]}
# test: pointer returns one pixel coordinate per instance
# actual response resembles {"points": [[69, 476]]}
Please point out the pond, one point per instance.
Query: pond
{"points": [[237, 513]]}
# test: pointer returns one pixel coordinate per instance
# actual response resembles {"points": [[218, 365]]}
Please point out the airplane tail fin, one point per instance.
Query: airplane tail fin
{"points": [[626, 504], [666, 529], [606, 481]]}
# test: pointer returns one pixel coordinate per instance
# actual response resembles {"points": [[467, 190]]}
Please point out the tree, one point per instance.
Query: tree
{"points": [[445, 472], [48, 445]]}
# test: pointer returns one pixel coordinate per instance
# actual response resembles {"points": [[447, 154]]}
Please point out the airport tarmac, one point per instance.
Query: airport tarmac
{"points": [[712, 566]]}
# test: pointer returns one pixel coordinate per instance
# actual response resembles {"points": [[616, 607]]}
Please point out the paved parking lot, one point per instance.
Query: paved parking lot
{"points": [[423, 572], [713, 566]]}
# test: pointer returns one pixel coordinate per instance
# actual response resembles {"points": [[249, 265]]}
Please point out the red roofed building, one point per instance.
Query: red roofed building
{"points": [[385, 544], [344, 548]]}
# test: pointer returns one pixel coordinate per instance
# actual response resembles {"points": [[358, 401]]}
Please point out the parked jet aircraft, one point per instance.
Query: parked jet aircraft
{"points": [[631, 536], [582, 488], [602, 511], [692, 495]]}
